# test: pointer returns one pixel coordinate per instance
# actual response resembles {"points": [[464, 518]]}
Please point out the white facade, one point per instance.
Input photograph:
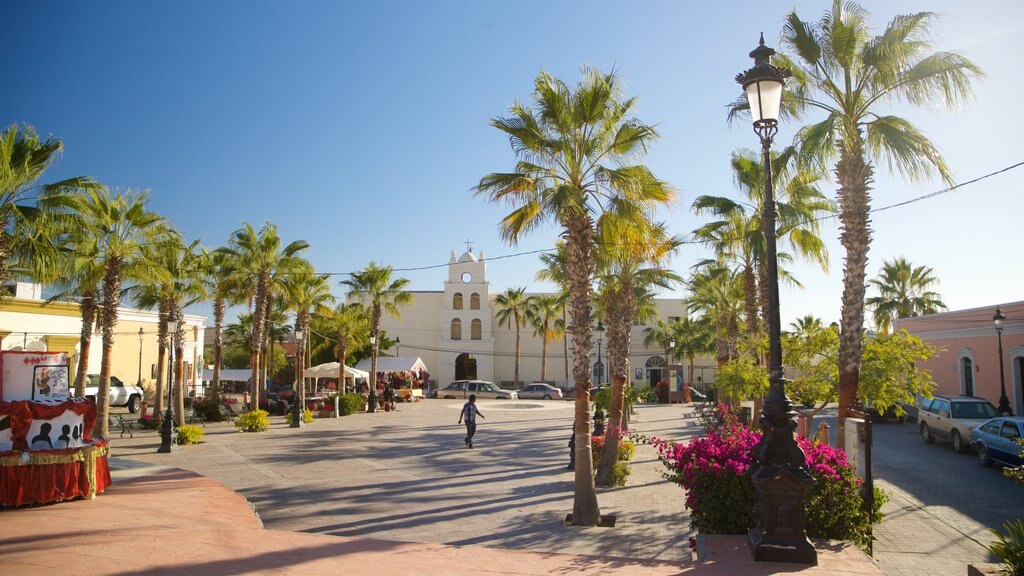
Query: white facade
{"points": [[458, 324]]}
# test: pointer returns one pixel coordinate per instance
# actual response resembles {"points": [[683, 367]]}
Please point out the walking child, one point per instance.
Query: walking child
{"points": [[469, 414]]}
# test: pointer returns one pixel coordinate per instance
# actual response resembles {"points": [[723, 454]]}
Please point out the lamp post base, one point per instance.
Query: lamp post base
{"points": [[168, 434], [779, 535]]}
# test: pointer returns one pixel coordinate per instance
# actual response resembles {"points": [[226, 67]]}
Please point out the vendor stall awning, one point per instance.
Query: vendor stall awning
{"points": [[393, 364], [330, 370]]}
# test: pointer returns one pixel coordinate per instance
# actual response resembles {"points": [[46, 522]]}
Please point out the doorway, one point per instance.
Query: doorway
{"points": [[465, 367]]}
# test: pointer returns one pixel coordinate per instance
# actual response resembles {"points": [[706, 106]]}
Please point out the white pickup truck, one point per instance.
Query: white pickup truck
{"points": [[120, 395]]}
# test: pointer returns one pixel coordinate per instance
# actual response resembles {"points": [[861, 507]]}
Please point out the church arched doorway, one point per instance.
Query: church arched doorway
{"points": [[656, 371], [465, 367]]}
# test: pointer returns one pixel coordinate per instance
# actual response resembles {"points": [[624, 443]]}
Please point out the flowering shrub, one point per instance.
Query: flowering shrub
{"points": [[351, 403], [624, 454], [190, 434], [307, 416], [714, 470], [149, 421]]}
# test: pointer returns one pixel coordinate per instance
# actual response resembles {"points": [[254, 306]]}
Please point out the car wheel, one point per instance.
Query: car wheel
{"points": [[958, 442], [983, 456], [133, 404], [547, 396], [926, 434]]}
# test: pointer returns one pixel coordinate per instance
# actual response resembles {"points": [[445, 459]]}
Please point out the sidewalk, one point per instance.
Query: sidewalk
{"points": [[379, 494]]}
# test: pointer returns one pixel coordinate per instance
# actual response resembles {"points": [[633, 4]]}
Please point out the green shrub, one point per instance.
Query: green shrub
{"points": [[190, 434], [307, 416], [209, 410], [148, 422], [351, 403], [1010, 548], [255, 421], [625, 453], [1016, 472], [620, 473]]}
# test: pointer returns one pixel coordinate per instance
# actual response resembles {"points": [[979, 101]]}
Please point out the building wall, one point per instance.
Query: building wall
{"points": [[968, 337], [28, 324], [425, 330]]}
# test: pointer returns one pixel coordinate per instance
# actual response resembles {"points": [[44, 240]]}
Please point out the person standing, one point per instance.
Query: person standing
{"points": [[469, 414]]}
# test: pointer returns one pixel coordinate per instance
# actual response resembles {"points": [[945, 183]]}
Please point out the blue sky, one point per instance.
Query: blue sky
{"points": [[362, 127]]}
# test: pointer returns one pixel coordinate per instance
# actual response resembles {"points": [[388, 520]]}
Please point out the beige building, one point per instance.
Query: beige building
{"points": [[455, 332], [28, 324]]}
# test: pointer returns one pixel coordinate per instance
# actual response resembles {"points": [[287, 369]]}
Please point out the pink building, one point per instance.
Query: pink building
{"points": [[968, 362]]}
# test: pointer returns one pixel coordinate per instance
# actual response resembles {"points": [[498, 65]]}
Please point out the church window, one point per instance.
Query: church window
{"points": [[457, 301], [476, 329], [474, 301], [456, 329]]}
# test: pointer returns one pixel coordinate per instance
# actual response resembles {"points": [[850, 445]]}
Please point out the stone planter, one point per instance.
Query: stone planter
{"points": [[986, 570]]}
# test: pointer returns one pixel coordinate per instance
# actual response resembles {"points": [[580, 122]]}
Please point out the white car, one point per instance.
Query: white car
{"points": [[482, 389], [120, 395], [540, 391]]}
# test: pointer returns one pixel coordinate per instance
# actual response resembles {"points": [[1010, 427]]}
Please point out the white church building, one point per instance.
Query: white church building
{"points": [[455, 332]]}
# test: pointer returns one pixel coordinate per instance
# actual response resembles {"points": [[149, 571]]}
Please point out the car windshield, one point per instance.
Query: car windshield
{"points": [[973, 410]]}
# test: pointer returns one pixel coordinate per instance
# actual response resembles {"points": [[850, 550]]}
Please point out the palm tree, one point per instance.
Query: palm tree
{"points": [[306, 293], [121, 226], [804, 324], [222, 283], [564, 144], [839, 69], [173, 281], [904, 290], [373, 285], [348, 323], [546, 316], [554, 271], [514, 307], [23, 160], [716, 294], [692, 337], [261, 257]]}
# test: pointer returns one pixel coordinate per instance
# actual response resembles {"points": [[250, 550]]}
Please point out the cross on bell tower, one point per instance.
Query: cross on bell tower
{"points": [[469, 245]]}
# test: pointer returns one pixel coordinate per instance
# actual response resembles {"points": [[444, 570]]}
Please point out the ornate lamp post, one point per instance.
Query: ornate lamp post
{"points": [[139, 383], [297, 401], [168, 429], [372, 398], [779, 472], [398, 346], [1004, 402], [600, 365]]}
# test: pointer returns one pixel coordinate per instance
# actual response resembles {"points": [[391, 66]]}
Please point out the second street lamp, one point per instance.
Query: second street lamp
{"points": [[139, 383], [1004, 402], [298, 410], [600, 364], [779, 472]]}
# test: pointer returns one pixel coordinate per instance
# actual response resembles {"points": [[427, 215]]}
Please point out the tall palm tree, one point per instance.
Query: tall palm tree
{"points": [[121, 225], [716, 295], [173, 281], [554, 270], [904, 290], [546, 316], [841, 70], [307, 293], [24, 158], [633, 256], [348, 323], [220, 274], [804, 324], [514, 307], [375, 288], [574, 148], [261, 257], [692, 337]]}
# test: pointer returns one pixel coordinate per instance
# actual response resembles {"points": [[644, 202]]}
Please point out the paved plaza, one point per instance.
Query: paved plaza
{"points": [[401, 488]]}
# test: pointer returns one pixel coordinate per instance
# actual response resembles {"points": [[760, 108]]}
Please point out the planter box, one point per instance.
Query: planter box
{"points": [[325, 414]]}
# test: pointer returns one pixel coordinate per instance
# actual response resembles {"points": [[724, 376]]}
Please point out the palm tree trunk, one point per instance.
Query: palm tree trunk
{"points": [[544, 354], [161, 362], [88, 308], [618, 355], [585, 509], [108, 321], [515, 384], [565, 345], [373, 358], [855, 177], [218, 347]]}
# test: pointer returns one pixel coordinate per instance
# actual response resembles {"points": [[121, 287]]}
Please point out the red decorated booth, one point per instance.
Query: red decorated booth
{"points": [[47, 453]]}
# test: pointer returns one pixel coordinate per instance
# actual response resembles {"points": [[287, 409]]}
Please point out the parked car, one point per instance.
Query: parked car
{"points": [[540, 391], [482, 389], [953, 417], [998, 440], [120, 395], [890, 412]]}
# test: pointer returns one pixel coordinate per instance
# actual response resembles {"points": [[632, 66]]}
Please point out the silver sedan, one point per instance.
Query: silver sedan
{"points": [[540, 391]]}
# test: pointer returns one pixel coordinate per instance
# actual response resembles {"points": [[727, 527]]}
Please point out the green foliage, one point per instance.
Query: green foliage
{"points": [[602, 400], [889, 376], [255, 421], [148, 422], [210, 411], [741, 379], [351, 403], [190, 434], [643, 393], [235, 355], [620, 474], [307, 416], [1016, 472], [1010, 547], [813, 352]]}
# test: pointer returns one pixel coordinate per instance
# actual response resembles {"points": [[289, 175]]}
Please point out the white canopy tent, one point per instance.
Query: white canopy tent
{"points": [[394, 364], [330, 370]]}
